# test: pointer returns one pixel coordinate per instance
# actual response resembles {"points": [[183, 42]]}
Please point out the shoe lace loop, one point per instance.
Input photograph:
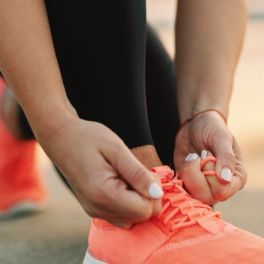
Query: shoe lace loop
{"points": [[179, 209]]}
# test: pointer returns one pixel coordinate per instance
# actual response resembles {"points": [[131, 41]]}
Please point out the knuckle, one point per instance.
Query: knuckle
{"points": [[117, 145]]}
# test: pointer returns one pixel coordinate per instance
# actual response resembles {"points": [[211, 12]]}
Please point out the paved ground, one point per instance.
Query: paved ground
{"points": [[58, 235]]}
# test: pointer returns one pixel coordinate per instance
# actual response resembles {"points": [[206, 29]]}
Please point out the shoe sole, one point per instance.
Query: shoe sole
{"points": [[89, 259], [21, 209]]}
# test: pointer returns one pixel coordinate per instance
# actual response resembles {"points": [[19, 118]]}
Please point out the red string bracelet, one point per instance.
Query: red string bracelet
{"points": [[199, 113]]}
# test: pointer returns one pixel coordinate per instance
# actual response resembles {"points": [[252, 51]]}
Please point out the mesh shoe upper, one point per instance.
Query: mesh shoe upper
{"points": [[186, 231]]}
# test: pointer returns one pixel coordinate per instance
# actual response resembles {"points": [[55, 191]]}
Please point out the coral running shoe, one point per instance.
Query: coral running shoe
{"points": [[21, 188], [186, 231]]}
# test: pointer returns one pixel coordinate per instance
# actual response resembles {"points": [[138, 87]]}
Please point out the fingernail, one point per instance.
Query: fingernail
{"points": [[203, 154], [155, 191], [194, 156], [188, 157], [226, 174]]}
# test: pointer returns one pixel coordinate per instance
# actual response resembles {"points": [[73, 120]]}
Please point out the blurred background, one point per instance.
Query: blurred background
{"points": [[58, 235]]}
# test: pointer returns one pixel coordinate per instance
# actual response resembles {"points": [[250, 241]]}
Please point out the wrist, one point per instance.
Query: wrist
{"points": [[201, 105], [198, 95], [203, 108], [204, 115], [221, 109], [50, 117]]}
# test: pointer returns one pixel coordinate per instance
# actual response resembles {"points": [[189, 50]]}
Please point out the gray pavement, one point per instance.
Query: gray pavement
{"points": [[56, 235]]}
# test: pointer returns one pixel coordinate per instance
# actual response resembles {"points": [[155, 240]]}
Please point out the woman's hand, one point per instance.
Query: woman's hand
{"points": [[109, 182], [208, 134]]}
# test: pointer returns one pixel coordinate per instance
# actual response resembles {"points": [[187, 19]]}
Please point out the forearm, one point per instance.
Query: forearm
{"points": [[209, 36], [28, 62]]}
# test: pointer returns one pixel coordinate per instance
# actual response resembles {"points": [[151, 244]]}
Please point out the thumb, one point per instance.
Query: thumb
{"points": [[135, 173], [225, 159]]}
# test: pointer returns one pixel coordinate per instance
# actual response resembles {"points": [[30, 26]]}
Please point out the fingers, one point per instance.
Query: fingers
{"points": [[220, 191], [213, 181], [128, 222], [226, 161], [137, 203], [127, 204], [229, 167], [208, 166], [134, 173], [195, 182]]}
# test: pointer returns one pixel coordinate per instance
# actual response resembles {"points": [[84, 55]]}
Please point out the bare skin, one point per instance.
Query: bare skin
{"points": [[107, 178], [147, 155], [209, 36]]}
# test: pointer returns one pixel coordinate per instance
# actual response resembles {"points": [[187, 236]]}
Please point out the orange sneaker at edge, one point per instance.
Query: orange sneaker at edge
{"points": [[21, 188], [186, 231]]}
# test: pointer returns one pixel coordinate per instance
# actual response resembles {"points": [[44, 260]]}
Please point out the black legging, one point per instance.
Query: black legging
{"points": [[116, 70]]}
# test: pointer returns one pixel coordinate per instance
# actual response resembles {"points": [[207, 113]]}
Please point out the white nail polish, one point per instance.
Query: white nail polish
{"points": [[203, 154], [188, 156], [194, 156], [226, 174], [155, 191]]}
